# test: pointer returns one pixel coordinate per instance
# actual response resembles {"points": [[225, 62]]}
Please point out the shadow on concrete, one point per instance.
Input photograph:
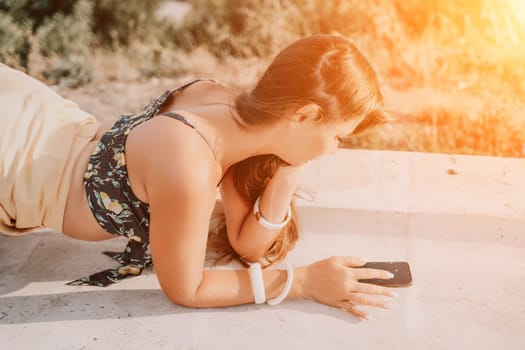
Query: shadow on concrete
{"points": [[52, 257], [121, 304]]}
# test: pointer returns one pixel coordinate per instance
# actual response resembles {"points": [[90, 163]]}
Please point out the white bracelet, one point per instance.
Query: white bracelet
{"points": [[287, 287], [257, 283], [267, 224]]}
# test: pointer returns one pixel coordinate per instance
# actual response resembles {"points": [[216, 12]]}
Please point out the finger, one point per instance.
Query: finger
{"points": [[351, 261], [367, 300], [350, 307], [373, 273], [367, 288]]}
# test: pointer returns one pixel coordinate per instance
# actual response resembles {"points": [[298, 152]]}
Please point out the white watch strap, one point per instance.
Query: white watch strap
{"points": [[257, 283], [287, 287], [267, 224]]}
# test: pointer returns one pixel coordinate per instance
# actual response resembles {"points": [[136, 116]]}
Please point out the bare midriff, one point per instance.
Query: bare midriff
{"points": [[79, 221]]}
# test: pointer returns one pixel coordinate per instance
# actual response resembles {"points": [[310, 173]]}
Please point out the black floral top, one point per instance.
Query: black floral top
{"points": [[112, 201]]}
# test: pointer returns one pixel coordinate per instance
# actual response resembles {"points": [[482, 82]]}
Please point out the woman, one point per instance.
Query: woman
{"points": [[152, 176]]}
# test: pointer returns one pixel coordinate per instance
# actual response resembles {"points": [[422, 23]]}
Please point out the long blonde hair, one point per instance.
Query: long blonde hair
{"points": [[326, 70]]}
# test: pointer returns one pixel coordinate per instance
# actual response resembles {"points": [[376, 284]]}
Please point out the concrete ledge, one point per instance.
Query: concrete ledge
{"points": [[417, 183], [457, 220]]}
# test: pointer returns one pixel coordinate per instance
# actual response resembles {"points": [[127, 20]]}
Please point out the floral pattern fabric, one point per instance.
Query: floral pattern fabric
{"points": [[112, 201]]}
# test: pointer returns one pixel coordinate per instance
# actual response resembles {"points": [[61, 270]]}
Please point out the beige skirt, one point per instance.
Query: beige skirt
{"points": [[41, 136]]}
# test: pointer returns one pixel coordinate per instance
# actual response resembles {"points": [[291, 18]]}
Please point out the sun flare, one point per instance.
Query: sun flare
{"points": [[518, 9]]}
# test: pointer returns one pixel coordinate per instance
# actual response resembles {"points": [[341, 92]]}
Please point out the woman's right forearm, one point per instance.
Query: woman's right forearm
{"points": [[333, 281], [219, 288]]}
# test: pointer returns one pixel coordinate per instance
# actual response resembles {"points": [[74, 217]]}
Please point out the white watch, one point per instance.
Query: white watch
{"points": [[267, 224], [257, 283]]}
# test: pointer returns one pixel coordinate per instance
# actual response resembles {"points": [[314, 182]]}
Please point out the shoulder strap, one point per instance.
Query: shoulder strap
{"points": [[190, 124], [189, 83]]}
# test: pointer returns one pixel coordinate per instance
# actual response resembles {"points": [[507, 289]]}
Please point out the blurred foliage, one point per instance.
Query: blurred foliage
{"points": [[494, 131], [67, 30], [69, 73], [121, 21], [414, 39], [237, 27], [476, 46], [14, 45], [66, 33]]}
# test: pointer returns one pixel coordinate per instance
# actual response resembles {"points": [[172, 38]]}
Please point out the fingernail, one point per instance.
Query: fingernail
{"points": [[390, 275], [368, 317], [394, 294]]}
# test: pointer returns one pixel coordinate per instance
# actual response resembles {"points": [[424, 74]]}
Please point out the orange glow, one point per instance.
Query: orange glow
{"points": [[509, 19], [518, 9]]}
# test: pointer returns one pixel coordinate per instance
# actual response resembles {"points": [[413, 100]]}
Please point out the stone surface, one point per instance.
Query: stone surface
{"points": [[462, 233]]}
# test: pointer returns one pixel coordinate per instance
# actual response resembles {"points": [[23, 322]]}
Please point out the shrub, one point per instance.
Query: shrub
{"points": [[67, 34], [237, 27], [70, 73], [14, 44], [261, 28], [58, 35], [121, 21]]}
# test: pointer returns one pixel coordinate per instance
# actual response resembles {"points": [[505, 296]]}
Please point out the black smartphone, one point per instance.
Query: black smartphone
{"points": [[400, 269]]}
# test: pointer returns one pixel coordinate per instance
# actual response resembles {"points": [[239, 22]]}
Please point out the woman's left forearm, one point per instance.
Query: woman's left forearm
{"points": [[273, 204]]}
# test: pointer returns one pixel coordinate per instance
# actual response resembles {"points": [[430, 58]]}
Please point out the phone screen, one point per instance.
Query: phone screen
{"points": [[400, 269]]}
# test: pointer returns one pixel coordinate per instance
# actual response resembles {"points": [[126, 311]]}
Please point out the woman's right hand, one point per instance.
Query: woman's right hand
{"points": [[334, 281]]}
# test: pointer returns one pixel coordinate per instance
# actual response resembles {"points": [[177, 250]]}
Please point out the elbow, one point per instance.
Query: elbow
{"points": [[249, 255], [247, 252], [188, 300], [253, 258], [182, 296]]}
